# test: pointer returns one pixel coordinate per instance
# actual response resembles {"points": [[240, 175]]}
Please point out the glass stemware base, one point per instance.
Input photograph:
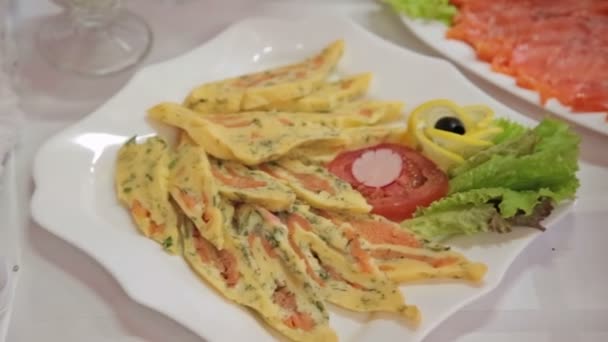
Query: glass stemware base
{"points": [[97, 47]]}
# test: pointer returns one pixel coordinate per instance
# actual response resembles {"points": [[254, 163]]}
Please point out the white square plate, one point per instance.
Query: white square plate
{"points": [[75, 200], [433, 33]]}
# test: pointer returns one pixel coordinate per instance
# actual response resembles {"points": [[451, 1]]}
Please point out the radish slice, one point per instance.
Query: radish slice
{"points": [[377, 168]]}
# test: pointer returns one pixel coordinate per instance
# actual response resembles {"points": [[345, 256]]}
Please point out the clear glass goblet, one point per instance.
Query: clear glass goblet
{"points": [[94, 37]]}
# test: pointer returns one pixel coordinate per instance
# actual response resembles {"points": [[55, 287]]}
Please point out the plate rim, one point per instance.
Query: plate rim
{"points": [[39, 196]]}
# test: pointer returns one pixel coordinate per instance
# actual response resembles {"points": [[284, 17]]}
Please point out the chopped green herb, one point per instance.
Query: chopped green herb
{"points": [[272, 239], [127, 190], [131, 140], [257, 122], [150, 178], [319, 306], [336, 288], [172, 163], [168, 242], [313, 220], [245, 253], [266, 143], [325, 239]]}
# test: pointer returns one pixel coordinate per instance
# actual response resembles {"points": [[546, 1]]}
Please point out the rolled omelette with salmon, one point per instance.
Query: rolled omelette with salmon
{"points": [[142, 185], [401, 254], [339, 282], [242, 184], [264, 88], [294, 307], [328, 97], [316, 185], [368, 113], [223, 268], [193, 188], [233, 272], [358, 137], [251, 138]]}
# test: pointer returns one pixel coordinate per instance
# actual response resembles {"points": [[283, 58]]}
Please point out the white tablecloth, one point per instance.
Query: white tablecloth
{"points": [[555, 291]]}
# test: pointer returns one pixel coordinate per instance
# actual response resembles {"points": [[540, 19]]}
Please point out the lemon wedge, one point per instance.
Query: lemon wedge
{"points": [[464, 145], [448, 133], [444, 158], [479, 115]]}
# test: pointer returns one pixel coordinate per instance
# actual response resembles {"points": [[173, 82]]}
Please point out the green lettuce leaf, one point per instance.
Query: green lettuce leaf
{"points": [[515, 146], [469, 219], [552, 163], [510, 130], [508, 202], [440, 10], [515, 182], [463, 219]]}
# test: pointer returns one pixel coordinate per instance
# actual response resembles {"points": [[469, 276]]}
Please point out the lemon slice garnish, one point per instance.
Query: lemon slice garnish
{"points": [[485, 134], [463, 145], [428, 113], [444, 158], [448, 149], [482, 116]]}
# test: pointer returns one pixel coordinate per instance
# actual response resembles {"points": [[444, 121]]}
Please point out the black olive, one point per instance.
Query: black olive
{"points": [[450, 124]]}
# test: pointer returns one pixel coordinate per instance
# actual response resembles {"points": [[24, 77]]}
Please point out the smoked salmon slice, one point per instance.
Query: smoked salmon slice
{"points": [[555, 47]]}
